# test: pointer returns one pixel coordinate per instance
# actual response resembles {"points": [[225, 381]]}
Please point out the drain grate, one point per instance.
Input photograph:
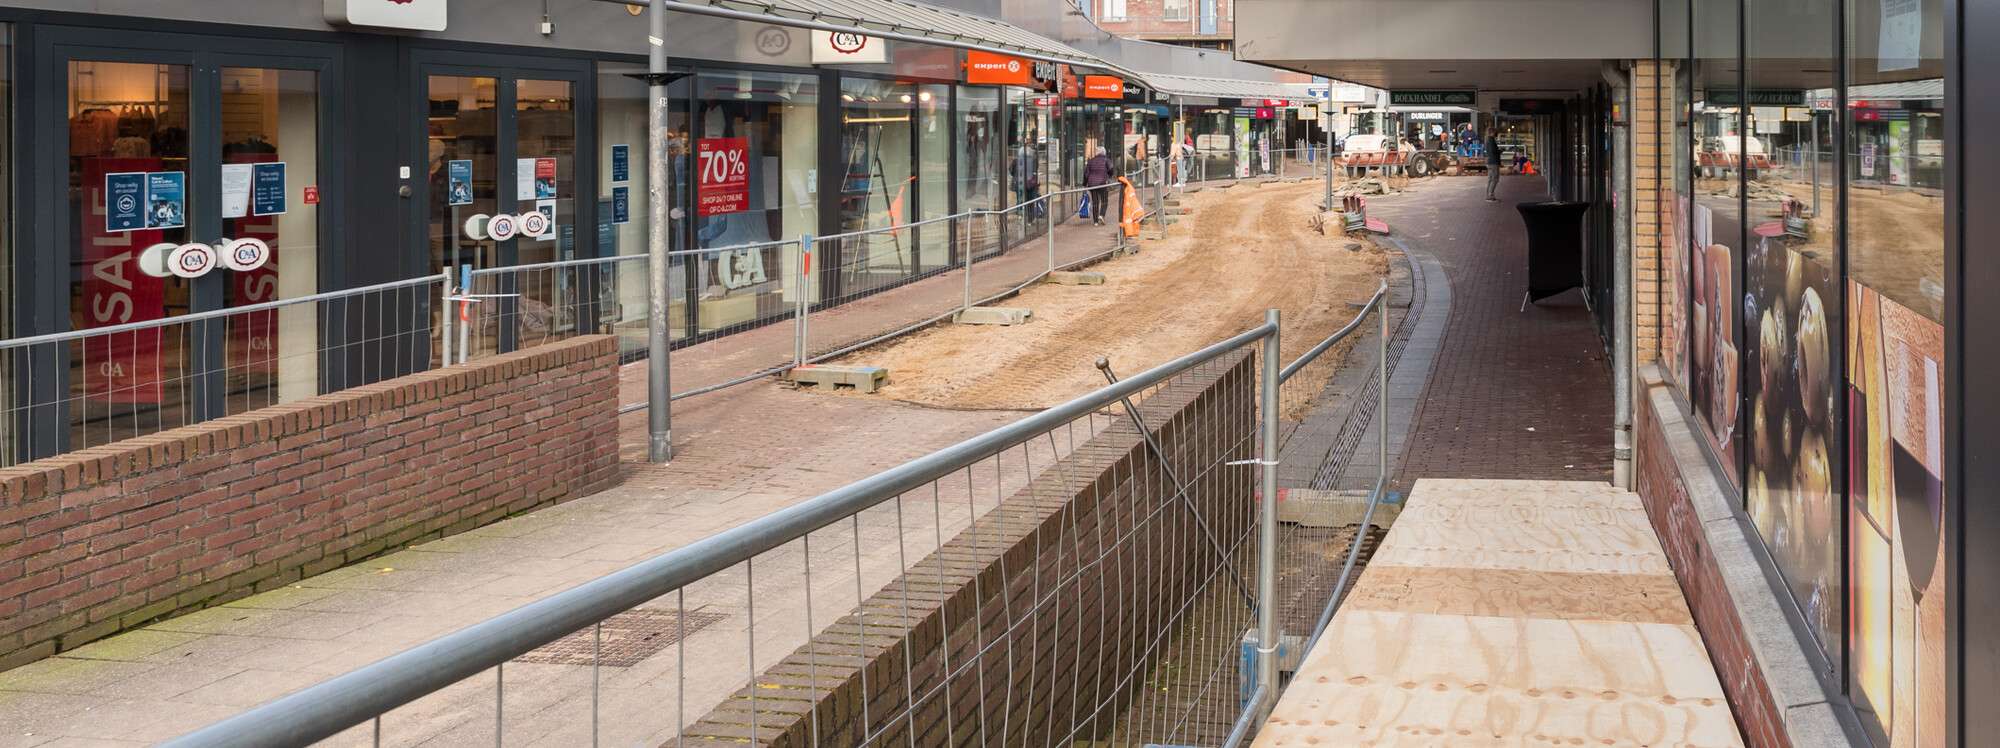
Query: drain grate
{"points": [[628, 638]]}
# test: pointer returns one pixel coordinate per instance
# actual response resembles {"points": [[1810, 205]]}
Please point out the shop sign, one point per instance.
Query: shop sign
{"points": [[723, 185], [1867, 115], [1729, 97], [1047, 101], [1350, 94], [1426, 116], [1462, 97], [847, 48], [1307, 112], [1277, 102], [987, 67], [415, 15], [1045, 71], [1103, 87]]}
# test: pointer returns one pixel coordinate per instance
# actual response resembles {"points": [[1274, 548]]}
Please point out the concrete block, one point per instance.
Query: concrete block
{"points": [[1125, 251], [1314, 508], [861, 378], [1073, 278], [1175, 210], [994, 315]]}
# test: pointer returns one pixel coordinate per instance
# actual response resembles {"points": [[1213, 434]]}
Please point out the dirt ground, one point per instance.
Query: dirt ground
{"points": [[1240, 251]]}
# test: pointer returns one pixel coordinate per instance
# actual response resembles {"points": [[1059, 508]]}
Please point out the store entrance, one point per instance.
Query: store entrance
{"points": [[164, 142], [504, 140]]}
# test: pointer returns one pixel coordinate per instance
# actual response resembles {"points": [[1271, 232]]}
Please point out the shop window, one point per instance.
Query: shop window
{"points": [[1894, 152], [270, 121], [934, 136], [754, 146], [980, 172], [1791, 304], [1715, 231], [878, 192], [623, 208], [128, 126]]}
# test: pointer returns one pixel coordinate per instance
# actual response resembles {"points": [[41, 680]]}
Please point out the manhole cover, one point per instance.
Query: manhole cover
{"points": [[627, 638]]}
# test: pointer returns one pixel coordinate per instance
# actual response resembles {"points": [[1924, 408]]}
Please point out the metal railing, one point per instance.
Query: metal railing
{"points": [[773, 615], [84, 388], [841, 292]]}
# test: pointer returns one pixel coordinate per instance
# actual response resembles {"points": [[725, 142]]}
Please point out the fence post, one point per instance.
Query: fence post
{"points": [[444, 319], [1049, 204], [464, 307], [967, 258], [1267, 530], [1381, 392], [803, 304]]}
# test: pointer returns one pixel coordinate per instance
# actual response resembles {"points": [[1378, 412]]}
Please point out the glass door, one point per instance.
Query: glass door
{"points": [[502, 140], [163, 146]]}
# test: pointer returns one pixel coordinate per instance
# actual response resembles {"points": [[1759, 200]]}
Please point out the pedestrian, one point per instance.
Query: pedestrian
{"points": [[1097, 176], [1187, 159], [1492, 163]]}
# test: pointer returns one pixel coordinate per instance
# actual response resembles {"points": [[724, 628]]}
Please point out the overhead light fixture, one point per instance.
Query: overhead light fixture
{"points": [[906, 98], [847, 97], [923, 96]]}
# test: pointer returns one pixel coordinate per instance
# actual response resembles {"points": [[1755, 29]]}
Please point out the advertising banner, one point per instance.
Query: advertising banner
{"points": [[723, 176], [124, 368], [987, 67], [1103, 87], [253, 336]]}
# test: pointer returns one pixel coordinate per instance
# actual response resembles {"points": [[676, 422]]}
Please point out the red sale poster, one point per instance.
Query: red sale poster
{"points": [[253, 340], [723, 184], [121, 367], [253, 337]]}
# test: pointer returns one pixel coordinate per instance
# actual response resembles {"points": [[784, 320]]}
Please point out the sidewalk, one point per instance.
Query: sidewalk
{"points": [[743, 454], [1511, 393]]}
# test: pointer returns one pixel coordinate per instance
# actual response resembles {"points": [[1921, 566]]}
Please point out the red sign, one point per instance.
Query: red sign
{"points": [[1069, 85], [122, 368], [986, 67], [1867, 115], [723, 183], [1276, 102], [1103, 87], [254, 340], [1046, 101], [312, 195], [1264, 112]]}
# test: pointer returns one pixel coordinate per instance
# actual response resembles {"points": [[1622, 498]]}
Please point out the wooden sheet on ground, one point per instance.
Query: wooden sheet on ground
{"points": [[1639, 598], [1403, 679]]}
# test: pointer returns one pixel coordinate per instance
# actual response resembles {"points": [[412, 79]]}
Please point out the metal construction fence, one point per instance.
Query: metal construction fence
{"points": [[1101, 570], [838, 293], [75, 390]]}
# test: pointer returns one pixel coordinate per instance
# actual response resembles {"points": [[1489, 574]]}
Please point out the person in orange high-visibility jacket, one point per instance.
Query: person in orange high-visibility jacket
{"points": [[1134, 208]]}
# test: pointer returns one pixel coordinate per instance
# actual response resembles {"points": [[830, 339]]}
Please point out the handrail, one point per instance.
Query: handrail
{"points": [[1325, 345], [324, 710], [60, 337]]}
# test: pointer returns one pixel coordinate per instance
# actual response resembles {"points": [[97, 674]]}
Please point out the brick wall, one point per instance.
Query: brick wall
{"points": [[1102, 600], [1652, 188], [1660, 488], [1147, 19], [108, 538]]}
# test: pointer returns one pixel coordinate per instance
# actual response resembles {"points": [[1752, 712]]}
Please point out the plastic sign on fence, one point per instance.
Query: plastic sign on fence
{"points": [[723, 176]]}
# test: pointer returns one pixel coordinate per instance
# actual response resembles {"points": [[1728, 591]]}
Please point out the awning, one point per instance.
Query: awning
{"points": [[911, 19], [1223, 88]]}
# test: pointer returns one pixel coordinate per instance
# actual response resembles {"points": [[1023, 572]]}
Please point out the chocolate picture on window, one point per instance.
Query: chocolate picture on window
{"points": [[1792, 490], [1896, 518]]}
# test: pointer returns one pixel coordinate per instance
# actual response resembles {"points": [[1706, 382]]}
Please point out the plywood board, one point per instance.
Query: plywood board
{"points": [[1522, 537], [1646, 598], [1402, 679], [1552, 494]]}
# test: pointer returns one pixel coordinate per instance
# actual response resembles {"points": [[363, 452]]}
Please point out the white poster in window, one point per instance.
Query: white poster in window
{"points": [[235, 190], [524, 179], [1902, 35]]}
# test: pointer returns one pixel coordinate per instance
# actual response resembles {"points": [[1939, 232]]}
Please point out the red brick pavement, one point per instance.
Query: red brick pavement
{"points": [[1512, 394]]}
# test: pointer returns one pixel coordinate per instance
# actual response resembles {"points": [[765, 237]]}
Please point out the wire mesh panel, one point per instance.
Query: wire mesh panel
{"points": [[76, 390]]}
